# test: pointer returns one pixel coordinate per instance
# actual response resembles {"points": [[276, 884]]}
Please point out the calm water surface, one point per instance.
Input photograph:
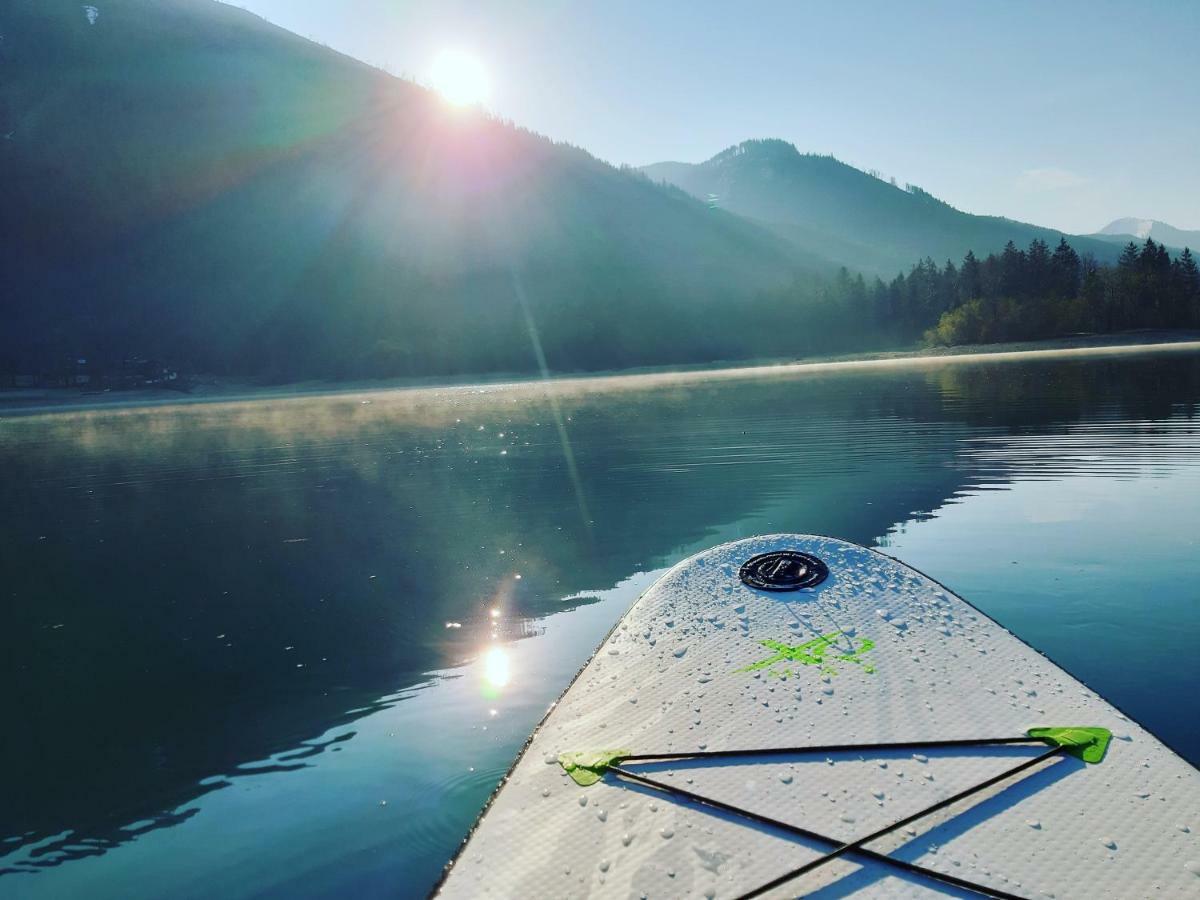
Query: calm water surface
{"points": [[286, 648]]}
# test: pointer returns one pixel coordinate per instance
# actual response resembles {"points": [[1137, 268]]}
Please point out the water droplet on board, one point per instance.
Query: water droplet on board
{"points": [[604, 865], [785, 777], [601, 815], [627, 839], [667, 832], [1034, 824], [1109, 843], [583, 801], [680, 652]]}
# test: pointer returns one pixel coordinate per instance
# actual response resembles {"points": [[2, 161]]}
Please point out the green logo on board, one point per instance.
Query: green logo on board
{"points": [[824, 652]]}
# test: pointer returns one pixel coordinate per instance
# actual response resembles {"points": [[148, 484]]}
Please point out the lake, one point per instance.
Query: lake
{"points": [[287, 647]]}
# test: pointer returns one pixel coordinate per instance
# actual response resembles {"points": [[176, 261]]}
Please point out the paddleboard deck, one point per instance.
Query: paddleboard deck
{"points": [[677, 764]]}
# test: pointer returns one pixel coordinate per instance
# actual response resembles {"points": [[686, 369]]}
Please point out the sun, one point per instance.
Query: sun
{"points": [[460, 78]]}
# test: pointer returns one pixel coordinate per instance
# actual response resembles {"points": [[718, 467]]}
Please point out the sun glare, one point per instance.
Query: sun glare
{"points": [[460, 78], [496, 668]]}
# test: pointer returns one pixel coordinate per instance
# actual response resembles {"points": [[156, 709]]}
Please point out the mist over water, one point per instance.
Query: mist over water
{"points": [[288, 647]]}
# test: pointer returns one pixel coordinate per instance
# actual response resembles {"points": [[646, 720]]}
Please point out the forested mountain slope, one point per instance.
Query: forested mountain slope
{"points": [[182, 179]]}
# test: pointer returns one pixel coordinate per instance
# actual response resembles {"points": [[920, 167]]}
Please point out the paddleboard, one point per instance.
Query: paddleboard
{"points": [[793, 715]]}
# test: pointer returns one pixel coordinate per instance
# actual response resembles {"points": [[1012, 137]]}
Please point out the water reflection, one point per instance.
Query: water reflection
{"points": [[213, 607], [497, 669]]}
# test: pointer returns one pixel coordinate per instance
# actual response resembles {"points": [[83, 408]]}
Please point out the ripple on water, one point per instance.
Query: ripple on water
{"points": [[435, 825]]}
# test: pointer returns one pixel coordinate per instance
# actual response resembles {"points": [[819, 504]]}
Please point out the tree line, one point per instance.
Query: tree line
{"points": [[582, 319], [1018, 295]]}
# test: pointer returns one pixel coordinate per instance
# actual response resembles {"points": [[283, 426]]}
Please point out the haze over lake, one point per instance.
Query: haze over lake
{"points": [[269, 624]]}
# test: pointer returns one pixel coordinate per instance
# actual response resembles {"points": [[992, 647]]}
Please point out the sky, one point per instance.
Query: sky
{"points": [[1068, 114]]}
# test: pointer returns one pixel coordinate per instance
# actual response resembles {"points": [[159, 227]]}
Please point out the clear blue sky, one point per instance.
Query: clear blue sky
{"points": [[1067, 114]]}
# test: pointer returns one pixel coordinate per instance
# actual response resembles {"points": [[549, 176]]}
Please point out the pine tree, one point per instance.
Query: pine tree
{"points": [[1065, 266], [1151, 296], [1129, 257], [970, 282], [1148, 255], [1122, 298], [948, 288], [1189, 288], [1037, 270], [1012, 271], [1189, 270], [1164, 259]]}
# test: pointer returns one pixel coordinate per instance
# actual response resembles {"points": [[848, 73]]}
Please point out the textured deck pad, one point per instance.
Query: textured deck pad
{"points": [[876, 653]]}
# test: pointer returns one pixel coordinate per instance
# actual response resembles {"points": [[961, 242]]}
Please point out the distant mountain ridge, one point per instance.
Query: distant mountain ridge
{"points": [[1124, 229], [835, 210]]}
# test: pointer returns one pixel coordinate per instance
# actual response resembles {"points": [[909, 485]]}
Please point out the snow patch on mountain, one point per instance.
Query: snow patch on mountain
{"points": [[1160, 231], [1139, 228]]}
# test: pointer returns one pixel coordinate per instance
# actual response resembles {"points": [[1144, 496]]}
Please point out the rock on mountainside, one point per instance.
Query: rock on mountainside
{"points": [[182, 179], [840, 212]]}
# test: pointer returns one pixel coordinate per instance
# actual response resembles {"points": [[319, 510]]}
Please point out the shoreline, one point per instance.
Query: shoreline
{"points": [[33, 401]]}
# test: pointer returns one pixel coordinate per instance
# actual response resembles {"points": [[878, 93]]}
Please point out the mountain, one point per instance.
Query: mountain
{"points": [[181, 179], [834, 210], [1124, 230]]}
